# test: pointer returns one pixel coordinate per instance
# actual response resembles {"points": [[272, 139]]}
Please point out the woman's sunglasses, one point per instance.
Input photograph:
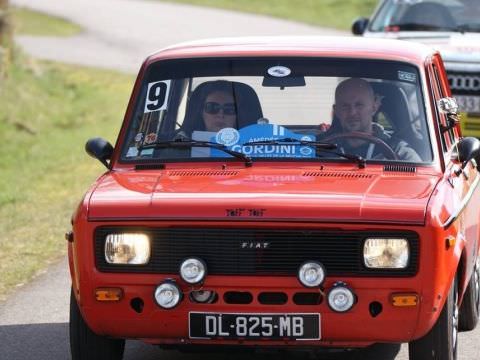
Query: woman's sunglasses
{"points": [[214, 108]]}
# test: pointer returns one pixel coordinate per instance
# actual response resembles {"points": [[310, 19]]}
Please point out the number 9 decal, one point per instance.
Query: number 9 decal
{"points": [[157, 96]]}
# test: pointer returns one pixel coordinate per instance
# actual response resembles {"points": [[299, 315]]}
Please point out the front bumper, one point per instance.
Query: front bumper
{"points": [[356, 328]]}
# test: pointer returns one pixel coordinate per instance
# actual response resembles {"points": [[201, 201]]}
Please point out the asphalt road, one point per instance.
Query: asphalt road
{"points": [[118, 35]]}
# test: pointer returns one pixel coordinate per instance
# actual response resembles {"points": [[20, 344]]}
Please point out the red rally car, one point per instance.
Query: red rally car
{"points": [[307, 192]]}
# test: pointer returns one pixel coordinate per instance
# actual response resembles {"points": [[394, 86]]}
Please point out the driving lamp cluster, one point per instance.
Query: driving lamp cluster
{"points": [[193, 271], [340, 297]]}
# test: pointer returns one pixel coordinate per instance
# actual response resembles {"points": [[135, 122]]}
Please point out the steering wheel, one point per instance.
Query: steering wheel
{"points": [[385, 148]]}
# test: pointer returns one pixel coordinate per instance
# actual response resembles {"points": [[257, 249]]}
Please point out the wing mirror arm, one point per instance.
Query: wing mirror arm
{"points": [[100, 149], [452, 121]]}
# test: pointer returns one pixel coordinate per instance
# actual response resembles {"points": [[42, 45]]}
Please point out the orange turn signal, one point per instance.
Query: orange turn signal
{"points": [[410, 299], [108, 294]]}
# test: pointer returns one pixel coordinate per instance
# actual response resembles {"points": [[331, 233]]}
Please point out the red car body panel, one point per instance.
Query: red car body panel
{"points": [[291, 194]]}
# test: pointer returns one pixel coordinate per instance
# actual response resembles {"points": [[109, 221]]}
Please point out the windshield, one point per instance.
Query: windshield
{"points": [[428, 15], [278, 109]]}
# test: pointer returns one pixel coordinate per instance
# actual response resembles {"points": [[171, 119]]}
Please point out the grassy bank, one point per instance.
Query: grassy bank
{"points": [[47, 112], [329, 13], [28, 22]]}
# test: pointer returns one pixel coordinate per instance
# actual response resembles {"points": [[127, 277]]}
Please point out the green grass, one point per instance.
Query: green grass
{"points": [[330, 13], [28, 22], [47, 112]]}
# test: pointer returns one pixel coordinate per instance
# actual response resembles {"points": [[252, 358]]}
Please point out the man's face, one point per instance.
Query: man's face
{"points": [[355, 106]]}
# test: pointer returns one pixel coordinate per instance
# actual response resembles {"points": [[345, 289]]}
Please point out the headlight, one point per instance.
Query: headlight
{"points": [[386, 253], [130, 249]]}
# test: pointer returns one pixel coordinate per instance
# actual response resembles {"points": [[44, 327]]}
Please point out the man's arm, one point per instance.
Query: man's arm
{"points": [[406, 153]]}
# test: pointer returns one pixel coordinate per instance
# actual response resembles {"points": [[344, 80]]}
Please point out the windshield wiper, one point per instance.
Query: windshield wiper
{"points": [[420, 27], [184, 144], [320, 146], [357, 158], [468, 28]]}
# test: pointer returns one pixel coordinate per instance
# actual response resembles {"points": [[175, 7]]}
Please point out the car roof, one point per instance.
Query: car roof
{"points": [[311, 46]]}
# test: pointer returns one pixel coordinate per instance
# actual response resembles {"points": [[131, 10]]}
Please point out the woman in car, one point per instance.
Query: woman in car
{"points": [[219, 104]]}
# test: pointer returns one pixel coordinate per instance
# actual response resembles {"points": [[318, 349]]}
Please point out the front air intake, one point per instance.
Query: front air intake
{"points": [[337, 174], [400, 168], [202, 173]]}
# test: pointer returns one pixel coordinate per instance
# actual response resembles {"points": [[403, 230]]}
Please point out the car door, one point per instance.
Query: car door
{"points": [[466, 207]]}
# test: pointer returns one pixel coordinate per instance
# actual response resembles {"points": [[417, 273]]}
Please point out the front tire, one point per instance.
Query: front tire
{"points": [[440, 343], [470, 309], [85, 344]]}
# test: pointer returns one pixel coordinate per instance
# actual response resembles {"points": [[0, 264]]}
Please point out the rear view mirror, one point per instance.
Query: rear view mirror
{"points": [[99, 149], [359, 26], [270, 81]]}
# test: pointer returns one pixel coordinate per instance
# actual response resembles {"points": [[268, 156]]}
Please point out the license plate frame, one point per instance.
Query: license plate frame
{"points": [[254, 326]]}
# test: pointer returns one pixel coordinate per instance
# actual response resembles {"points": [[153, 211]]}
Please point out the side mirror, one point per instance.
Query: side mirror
{"points": [[360, 25], [449, 106], [99, 149], [467, 149]]}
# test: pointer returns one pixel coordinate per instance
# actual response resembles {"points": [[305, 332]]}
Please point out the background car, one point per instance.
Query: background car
{"points": [[451, 26]]}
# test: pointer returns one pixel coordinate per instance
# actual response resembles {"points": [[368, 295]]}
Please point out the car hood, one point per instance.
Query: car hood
{"points": [[454, 46], [260, 195]]}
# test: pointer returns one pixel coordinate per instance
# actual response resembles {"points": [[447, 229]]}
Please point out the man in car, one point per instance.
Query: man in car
{"points": [[354, 130]]}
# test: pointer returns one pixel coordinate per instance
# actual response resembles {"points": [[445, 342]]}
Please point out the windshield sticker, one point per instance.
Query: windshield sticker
{"points": [[235, 139], [139, 137], [150, 138], [227, 136], [146, 152], [279, 71], [407, 76], [132, 152], [157, 96]]}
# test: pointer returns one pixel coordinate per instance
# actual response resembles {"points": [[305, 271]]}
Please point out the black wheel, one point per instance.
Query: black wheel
{"points": [[441, 342], [470, 309], [85, 344]]}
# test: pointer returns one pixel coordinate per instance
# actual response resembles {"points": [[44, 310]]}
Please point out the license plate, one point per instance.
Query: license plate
{"points": [[469, 104], [254, 326]]}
